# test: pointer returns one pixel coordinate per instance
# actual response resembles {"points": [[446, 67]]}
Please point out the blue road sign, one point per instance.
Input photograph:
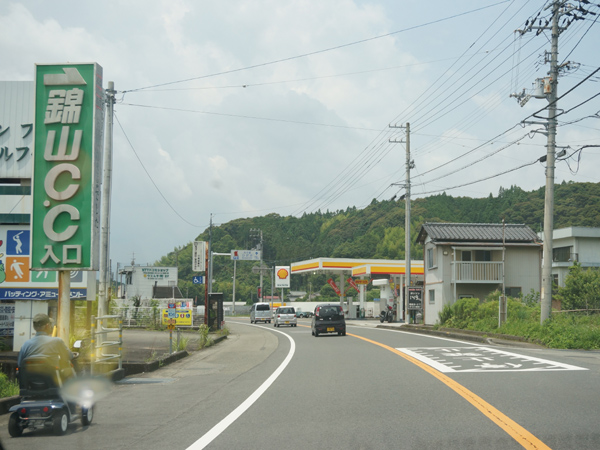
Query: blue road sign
{"points": [[198, 279]]}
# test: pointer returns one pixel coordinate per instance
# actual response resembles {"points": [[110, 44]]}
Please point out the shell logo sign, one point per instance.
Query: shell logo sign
{"points": [[282, 278]]}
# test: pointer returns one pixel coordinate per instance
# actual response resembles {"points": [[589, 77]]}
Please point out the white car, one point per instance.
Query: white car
{"points": [[285, 315]]}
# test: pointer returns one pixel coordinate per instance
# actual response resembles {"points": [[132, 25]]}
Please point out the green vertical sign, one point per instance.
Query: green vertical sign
{"points": [[68, 124]]}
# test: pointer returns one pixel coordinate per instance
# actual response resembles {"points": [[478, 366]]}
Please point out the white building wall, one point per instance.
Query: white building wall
{"points": [[16, 119], [523, 268], [584, 243], [437, 279], [144, 278]]}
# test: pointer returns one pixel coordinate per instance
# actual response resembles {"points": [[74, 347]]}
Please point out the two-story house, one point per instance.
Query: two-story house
{"points": [[473, 260]]}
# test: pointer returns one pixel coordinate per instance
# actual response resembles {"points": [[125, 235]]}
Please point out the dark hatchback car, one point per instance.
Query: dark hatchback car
{"points": [[328, 319]]}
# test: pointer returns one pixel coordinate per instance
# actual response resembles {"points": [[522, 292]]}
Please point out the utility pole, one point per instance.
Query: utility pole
{"points": [[409, 165], [208, 284], [234, 261], [546, 296], [106, 192], [548, 88], [502, 306], [256, 233]]}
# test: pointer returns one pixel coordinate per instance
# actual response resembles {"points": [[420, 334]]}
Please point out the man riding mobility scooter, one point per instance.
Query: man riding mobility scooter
{"points": [[41, 380]]}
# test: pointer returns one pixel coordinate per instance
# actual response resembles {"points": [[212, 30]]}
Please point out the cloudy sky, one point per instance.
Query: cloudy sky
{"points": [[245, 108]]}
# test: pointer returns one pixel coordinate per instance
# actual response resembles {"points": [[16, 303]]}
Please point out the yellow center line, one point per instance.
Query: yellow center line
{"points": [[516, 431]]}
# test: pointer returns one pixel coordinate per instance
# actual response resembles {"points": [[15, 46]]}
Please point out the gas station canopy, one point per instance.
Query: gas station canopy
{"points": [[357, 267]]}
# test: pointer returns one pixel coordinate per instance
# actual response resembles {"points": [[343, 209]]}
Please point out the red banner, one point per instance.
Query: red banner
{"points": [[334, 286], [353, 284]]}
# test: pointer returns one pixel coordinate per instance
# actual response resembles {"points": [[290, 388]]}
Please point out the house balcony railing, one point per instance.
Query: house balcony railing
{"points": [[477, 272]]}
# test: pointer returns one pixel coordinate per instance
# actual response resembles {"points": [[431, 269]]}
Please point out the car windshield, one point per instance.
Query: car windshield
{"points": [[330, 311], [262, 307]]}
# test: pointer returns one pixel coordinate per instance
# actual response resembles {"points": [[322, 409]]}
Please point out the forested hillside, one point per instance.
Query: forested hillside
{"points": [[376, 231]]}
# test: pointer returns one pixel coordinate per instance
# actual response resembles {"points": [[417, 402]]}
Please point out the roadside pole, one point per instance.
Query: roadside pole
{"points": [[106, 192], [406, 196], [63, 320], [546, 300], [547, 88], [234, 261]]}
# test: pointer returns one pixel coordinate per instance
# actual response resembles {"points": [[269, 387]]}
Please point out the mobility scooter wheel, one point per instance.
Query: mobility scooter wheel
{"points": [[14, 426], [87, 414], [60, 422]]}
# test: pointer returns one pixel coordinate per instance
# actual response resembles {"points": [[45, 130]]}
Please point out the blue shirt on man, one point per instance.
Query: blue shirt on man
{"points": [[46, 346]]}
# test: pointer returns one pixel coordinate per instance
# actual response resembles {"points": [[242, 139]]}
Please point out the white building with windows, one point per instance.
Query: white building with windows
{"points": [[148, 282], [574, 244], [473, 260]]}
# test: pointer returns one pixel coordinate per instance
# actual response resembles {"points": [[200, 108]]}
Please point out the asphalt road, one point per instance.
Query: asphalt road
{"points": [[283, 388]]}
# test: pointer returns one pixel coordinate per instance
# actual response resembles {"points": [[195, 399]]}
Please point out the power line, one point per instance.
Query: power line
{"points": [[244, 116], [304, 55], [481, 179], [150, 177], [296, 80]]}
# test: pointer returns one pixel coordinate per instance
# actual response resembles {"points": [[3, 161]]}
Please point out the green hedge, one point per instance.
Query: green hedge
{"points": [[562, 330]]}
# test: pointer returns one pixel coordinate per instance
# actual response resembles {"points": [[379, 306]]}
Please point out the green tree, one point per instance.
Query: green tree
{"points": [[582, 288]]}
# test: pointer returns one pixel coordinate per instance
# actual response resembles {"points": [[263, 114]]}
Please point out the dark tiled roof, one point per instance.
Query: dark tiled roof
{"points": [[476, 232]]}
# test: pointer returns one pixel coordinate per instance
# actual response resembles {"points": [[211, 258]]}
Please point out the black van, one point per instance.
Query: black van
{"points": [[328, 319]]}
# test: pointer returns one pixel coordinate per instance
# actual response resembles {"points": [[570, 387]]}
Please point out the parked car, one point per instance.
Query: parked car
{"points": [[308, 314], [260, 312], [285, 315], [328, 319], [299, 313]]}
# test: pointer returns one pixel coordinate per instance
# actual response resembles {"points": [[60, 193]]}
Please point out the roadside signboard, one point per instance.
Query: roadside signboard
{"points": [[16, 131], [282, 276], [246, 255], [198, 279], [199, 256], [68, 135], [7, 319], [18, 282], [415, 298], [178, 317]]}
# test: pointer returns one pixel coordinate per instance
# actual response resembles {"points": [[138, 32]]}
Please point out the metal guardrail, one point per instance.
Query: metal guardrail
{"points": [[100, 342]]}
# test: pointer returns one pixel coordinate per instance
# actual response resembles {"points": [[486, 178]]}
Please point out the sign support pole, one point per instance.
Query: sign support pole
{"points": [[103, 299], [63, 322]]}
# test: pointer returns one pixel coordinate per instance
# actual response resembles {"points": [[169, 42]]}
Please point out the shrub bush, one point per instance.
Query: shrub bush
{"points": [[562, 330]]}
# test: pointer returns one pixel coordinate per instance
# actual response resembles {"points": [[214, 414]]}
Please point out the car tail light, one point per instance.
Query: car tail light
{"points": [[46, 409], [23, 411], [279, 316]]}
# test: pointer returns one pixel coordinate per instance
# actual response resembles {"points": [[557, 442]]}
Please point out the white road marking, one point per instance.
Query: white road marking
{"points": [[215, 431], [497, 358]]}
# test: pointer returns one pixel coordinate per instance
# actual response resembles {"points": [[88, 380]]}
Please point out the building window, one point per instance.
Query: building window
{"points": [[514, 292], [561, 254], [431, 296], [430, 262], [466, 255], [483, 255]]}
